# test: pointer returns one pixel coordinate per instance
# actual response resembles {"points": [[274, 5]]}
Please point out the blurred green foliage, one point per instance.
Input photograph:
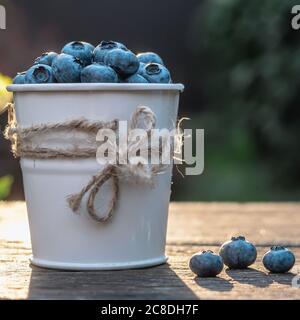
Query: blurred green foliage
{"points": [[5, 186], [248, 60]]}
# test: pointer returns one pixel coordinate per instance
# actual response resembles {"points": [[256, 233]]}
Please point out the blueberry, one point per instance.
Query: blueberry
{"points": [[81, 50], [155, 73], [46, 58], [123, 62], [279, 259], [66, 68], [19, 78], [99, 73], [238, 253], [39, 73], [104, 47], [206, 264], [141, 68], [148, 57], [135, 78]]}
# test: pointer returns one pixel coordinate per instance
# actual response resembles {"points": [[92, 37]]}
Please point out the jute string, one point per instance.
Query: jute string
{"points": [[22, 141]]}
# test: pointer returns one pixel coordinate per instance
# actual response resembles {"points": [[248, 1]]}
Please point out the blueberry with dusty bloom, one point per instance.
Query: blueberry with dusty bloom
{"points": [[80, 50], [19, 78], [135, 78], [39, 73], [125, 63], [97, 72], [104, 47], [46, 58], [150, 57], [279, 259], [66, 68], [206, 264], [238, 253], [155, 73], [141, 68]]}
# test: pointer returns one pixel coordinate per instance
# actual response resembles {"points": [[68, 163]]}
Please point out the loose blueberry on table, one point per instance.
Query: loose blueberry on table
{"points": [[206, 264], [238, 253], [279, 259], [109, 62]]}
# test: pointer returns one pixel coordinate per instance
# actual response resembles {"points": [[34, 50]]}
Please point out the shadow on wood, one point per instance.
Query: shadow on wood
{"points": [[214, 284], [159, 282], [250, 276], [282, 278]]}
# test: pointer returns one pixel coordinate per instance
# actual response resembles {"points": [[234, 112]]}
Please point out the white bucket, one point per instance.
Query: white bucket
{"points": [[135, 236]]}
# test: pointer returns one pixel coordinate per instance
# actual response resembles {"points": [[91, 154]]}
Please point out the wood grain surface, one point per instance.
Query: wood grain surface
{"points": [[192, 227]]}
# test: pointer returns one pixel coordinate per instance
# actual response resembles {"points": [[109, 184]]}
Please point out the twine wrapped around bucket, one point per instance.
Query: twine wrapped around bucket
{"points": [[22, 140]]}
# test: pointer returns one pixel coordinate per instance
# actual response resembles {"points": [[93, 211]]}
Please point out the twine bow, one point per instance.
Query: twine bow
{"points": [[135, 169]]}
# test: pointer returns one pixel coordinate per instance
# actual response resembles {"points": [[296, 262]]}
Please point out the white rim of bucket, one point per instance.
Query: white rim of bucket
{"points": [[95, 87]]}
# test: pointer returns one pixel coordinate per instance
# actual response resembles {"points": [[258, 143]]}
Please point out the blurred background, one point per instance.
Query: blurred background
{"points": [[239, 61]]}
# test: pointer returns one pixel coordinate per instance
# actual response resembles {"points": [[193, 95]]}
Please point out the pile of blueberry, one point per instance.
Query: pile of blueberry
{"points": [[238, 253], [109, 62]]}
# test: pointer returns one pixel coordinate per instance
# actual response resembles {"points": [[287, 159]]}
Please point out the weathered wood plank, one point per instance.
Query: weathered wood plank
{"points": [[192, 227], [212, 223]]}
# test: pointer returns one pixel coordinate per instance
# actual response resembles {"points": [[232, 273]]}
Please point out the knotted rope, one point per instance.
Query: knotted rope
{"points": [[23, 146]]}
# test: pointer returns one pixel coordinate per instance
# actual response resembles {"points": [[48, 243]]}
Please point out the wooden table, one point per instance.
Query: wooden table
{"points": [[192, 227]]}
